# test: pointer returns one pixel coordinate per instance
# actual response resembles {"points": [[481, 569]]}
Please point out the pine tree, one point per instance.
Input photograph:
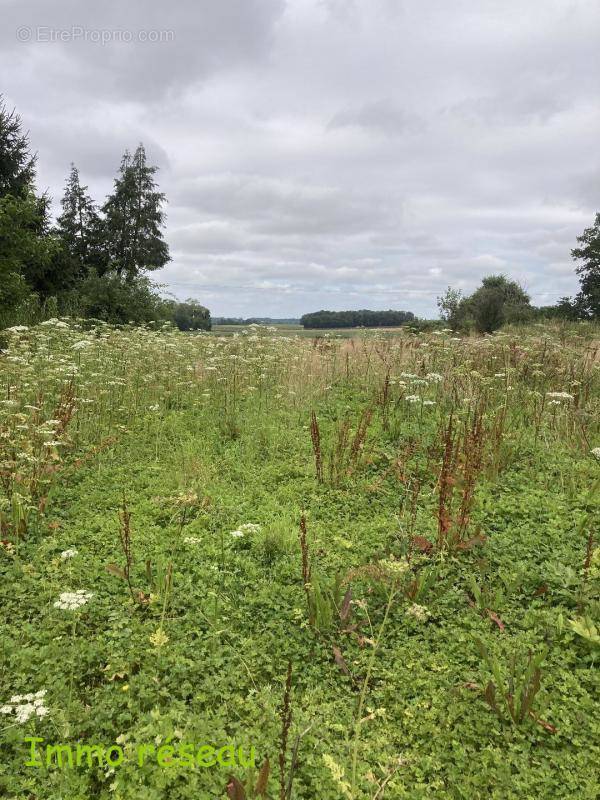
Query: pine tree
{"points": [[17, 165], [78, 229], [26, 245], [132, 229]]}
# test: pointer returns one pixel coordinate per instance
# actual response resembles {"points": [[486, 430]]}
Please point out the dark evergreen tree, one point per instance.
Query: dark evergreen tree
{"points": [[78, 230], [26, 246], [17, 165], [132, 228], [588, 299]]}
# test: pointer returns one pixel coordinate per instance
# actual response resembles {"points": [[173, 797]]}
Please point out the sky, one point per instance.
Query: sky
{"points": [[335, 154]]}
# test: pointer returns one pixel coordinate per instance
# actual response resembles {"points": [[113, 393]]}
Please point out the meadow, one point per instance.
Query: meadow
{"points": [[372, 559]]}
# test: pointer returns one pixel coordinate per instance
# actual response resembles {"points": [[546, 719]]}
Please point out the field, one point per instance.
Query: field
{"points": [[373, 559], [278, 329]]}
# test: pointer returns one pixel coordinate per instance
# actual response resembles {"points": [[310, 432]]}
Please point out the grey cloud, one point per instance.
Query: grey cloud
{"points": [[282, 206], [381, 115], [318, 152], [150, 48]]}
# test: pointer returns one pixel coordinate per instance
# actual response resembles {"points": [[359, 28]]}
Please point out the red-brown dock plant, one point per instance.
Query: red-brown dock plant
{"points": [[315, 435], [462, 463]]}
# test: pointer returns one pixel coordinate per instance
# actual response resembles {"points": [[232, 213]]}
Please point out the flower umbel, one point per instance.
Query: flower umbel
{"points": [[71, 601], [25, 706]]}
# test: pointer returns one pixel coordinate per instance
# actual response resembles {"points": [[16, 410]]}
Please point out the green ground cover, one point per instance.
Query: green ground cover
{"points": [[408, 523]]}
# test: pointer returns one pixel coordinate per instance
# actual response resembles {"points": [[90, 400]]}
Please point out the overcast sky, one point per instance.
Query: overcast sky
{"points": [[327, 153]]}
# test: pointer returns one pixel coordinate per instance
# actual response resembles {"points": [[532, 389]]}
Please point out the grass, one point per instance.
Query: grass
{"points": [[437, 612]]}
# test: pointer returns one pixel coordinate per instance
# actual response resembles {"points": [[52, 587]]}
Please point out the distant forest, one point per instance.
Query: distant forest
{"points": [[254, 321], [357, 319]]}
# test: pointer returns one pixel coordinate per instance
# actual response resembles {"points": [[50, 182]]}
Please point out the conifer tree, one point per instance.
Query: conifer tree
{"points": [[133, 222], [17, 165], [26, 246], [78, 229]]}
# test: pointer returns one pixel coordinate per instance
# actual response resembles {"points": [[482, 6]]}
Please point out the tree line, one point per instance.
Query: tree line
{"points": [[255, 321], [93, 261], [356, 319]]}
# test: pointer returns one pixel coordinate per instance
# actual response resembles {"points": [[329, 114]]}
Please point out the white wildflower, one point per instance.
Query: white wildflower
{"points": [[70, 553], [250, 527], [420, 613], [25, 706], [71, 601], [560, 395], [596, 452], [192, 540], [412, 398], [24, 712]]}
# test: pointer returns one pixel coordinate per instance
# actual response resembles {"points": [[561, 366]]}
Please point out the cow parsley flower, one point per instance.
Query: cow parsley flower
{"points": [[412, 398], [247, 527], [596, 452], [25, 706], [250, 527], [67, 554], [71, 601], [192, 540]]}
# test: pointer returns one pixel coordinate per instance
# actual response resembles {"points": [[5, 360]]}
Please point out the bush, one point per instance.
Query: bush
{"points": [[191, 316], [496, 302], [117, 300]]}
